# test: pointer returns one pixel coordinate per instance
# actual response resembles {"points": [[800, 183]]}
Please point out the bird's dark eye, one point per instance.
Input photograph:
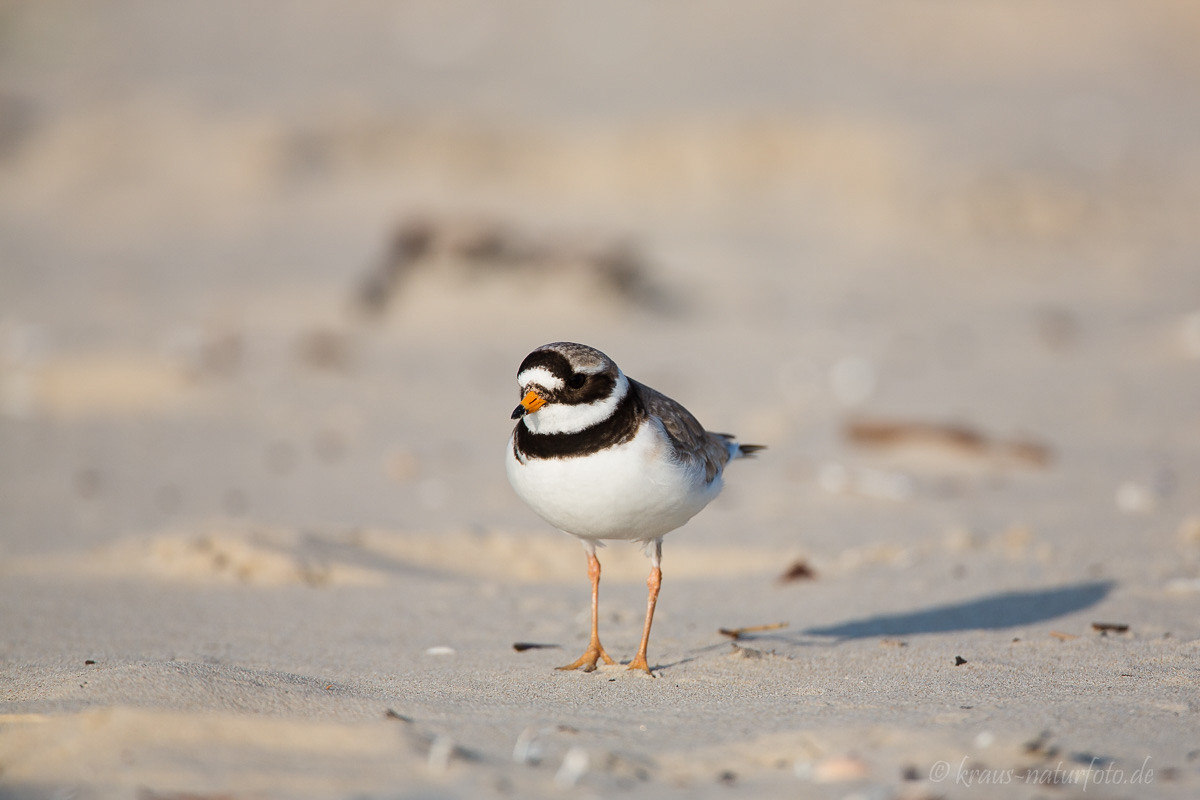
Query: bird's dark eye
{"points": [[577, 380]]}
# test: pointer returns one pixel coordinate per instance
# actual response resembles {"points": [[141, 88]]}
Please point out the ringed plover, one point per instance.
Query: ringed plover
{"points": [[600, 456]]}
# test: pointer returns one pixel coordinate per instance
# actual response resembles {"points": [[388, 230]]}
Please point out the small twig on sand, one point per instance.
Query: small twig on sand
{"points": [[521, 647], [737, 633]]}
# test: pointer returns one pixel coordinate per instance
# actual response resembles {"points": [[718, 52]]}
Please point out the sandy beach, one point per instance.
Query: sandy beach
{"points": [[266, 275]]}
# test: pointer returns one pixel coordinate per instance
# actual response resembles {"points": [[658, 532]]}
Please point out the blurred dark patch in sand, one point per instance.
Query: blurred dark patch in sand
{"points": [[18, 122], [954, 439], [477, 248], [799, 570], [325, 350]]}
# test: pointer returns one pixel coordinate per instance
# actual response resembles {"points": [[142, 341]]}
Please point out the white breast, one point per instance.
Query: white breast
{"points": [[634, 491]]}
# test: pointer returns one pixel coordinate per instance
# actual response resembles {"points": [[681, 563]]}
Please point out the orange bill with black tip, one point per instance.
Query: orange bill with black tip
{"points": [[530, 403]]}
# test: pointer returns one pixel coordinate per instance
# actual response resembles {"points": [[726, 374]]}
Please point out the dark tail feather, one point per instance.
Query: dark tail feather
{"points": [[735, 448]]}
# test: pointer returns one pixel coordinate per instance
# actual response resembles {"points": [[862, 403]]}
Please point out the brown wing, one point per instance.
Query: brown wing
{"points": [[689, 440]]}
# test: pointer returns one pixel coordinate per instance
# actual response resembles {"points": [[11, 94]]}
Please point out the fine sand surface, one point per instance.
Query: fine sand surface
{"points": [[266, 274]]}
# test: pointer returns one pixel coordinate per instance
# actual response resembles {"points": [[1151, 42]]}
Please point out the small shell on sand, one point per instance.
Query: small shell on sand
{"points": [[1135, 498], [835, 769]]}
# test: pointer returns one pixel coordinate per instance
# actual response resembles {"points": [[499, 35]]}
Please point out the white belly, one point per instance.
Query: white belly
{"points": [[632, 491]]}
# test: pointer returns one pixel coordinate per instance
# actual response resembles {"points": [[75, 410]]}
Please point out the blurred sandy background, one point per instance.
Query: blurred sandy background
{"points": [[267, 271]]}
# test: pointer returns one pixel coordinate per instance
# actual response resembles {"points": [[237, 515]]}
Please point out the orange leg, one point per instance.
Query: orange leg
{"points": [[653, 584], [595, 650]]}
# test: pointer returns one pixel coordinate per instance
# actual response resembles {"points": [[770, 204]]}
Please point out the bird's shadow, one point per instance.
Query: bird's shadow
{"points": [[990, 612]]}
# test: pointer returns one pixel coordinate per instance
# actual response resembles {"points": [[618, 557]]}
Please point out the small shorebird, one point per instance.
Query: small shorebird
{"points": [[600, 456]]}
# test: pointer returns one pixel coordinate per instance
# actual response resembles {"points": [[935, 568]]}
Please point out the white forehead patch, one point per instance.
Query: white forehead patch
{"points": [[541, 376]]}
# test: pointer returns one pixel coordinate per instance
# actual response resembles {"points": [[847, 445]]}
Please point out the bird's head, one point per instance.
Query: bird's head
{"points": [[565, 387]]}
